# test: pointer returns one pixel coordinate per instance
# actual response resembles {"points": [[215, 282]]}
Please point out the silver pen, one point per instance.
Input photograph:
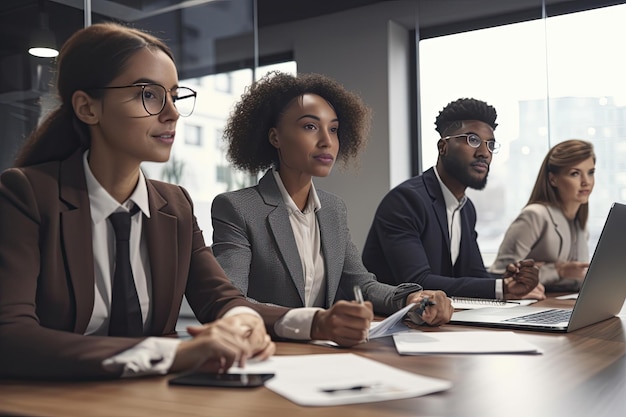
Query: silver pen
{"points": [[358, 295]]}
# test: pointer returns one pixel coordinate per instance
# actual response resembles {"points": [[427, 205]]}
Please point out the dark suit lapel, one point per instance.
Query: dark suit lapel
{"points": [[463, 262], [162, 233], [280, 227], [439, 205], [76, 238], [331, 239]]}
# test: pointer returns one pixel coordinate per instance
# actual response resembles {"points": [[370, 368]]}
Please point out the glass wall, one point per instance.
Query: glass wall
{"points": [[215, 49], [198, 159], [550, 80]]}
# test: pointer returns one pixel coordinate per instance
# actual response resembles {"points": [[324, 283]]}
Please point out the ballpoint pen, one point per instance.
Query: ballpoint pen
{"points": [[421, 307], [358, 295], [349, 389]]}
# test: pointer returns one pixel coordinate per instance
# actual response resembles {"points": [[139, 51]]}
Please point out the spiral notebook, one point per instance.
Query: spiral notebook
{"points": [[601, 295], [470, 303]]}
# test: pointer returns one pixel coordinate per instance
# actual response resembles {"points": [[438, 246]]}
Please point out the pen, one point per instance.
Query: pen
{"points": [[354, 388], [358, 295], [425, 302]]}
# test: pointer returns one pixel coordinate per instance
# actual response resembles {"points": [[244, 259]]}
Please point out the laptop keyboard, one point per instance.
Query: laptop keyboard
{"points": [[543, 317]]}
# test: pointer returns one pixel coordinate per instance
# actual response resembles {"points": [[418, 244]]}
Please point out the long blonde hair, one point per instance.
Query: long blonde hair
{"points": [[562, 156]]}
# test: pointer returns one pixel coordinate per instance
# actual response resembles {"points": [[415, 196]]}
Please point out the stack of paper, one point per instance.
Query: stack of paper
{"points": [[341, 378], [422, 343]]}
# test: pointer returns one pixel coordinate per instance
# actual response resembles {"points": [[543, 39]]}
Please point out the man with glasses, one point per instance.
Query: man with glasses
{"points": [[424, 229]]}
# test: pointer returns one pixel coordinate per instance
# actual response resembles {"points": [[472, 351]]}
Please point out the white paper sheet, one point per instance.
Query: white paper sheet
{"points": [[391, 324], [423, 343], [341, 378], [568, 297]]}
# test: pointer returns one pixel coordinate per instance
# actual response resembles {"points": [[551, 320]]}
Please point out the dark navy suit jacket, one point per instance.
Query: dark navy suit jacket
{"points": [[409, 242]]}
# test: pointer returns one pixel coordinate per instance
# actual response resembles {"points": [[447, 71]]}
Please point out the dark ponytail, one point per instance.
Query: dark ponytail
{"points": [[91, 58]]}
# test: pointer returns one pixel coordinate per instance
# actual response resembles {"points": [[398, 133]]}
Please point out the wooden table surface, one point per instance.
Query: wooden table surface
{"points": [[578, 374]]}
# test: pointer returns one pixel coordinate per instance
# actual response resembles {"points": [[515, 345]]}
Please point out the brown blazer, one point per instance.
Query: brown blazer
{"points": [[47, 272]]}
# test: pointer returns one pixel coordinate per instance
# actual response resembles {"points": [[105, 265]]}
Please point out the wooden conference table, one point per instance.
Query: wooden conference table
{"points": [[578, 374]]}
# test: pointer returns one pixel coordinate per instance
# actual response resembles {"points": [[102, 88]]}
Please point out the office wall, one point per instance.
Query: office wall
{"points": [[366, 49]]}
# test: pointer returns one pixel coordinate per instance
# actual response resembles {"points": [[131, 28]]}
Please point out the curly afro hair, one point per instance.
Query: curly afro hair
{"points": [[264, 101], [452, 116]]}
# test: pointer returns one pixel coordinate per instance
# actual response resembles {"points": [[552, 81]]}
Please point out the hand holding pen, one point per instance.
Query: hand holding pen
{"points": [[346, 323], [434, 307]]}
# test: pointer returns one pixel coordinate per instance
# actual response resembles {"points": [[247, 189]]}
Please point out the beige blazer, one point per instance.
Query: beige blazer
{"points": [[542, 233], [47, 272]]}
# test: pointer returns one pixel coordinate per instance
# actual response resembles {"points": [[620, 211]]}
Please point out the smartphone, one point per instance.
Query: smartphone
{"points": [[221, 380]]}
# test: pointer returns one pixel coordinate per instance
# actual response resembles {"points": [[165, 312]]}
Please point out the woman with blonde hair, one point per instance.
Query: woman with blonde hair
{"points": [[552, 228]]}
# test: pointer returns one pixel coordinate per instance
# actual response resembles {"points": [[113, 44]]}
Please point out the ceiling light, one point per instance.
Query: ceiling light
{"points": [[42, 40]]}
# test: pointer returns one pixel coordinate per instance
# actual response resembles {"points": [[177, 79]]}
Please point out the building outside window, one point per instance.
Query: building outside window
{"points": [[204, 170], [549, 80]]}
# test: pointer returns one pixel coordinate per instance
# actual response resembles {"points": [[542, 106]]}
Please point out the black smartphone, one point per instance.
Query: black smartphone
{"points": [[221, 380]]}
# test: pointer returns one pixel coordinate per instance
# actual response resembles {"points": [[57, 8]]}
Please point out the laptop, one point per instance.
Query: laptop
{"points": [[601, 295]]}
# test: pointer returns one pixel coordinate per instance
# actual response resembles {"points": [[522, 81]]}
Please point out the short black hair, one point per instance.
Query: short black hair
{"points": [[451, 117]]}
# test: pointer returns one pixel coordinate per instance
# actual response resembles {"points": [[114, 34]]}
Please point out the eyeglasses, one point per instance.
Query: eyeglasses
{"points": [[474, 141], [154, 96]]}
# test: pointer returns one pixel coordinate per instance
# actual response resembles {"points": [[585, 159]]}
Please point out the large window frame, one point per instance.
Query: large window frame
{"points": [[543, 113]]}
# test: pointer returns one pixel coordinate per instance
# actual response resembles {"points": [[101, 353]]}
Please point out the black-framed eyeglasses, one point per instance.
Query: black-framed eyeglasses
{"points": [[474, 141], [154, 97]]}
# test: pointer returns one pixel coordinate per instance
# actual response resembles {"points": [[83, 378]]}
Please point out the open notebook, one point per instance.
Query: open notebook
{"points": [[601, 296]]}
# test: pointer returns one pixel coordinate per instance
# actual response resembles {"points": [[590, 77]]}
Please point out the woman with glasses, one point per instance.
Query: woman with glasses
{"points": [[552, 227], [95, 258], [424, 229], [286, 242]]}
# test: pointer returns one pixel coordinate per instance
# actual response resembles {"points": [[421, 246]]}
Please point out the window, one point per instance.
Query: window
{"points": [[223, 83], [203, 168], [193, 135], [549, 80], [219, 136]]}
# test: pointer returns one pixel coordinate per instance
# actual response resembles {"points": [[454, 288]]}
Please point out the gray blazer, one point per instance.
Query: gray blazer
{"points": [[542, 233], [254, 243]]}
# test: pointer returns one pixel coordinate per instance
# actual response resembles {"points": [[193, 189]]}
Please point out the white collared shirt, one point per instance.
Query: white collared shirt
{"points": [[307, 233], [154, 355], [102, 205], [453, 208], [297, 322]]}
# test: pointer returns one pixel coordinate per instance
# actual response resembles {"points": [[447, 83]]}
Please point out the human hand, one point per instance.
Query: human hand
{"points": [[572, 269], [520, 278], [346, 323], [437, 314], [216, 346], [537, 293]]}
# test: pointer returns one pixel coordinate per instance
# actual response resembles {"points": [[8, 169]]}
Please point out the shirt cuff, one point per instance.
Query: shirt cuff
{"points": [[296, 323], [499, 289], [152, 356], [241, 310]]}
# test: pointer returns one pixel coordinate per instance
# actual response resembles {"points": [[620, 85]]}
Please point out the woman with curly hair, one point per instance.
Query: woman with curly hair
{"points": [[285, 242]]}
